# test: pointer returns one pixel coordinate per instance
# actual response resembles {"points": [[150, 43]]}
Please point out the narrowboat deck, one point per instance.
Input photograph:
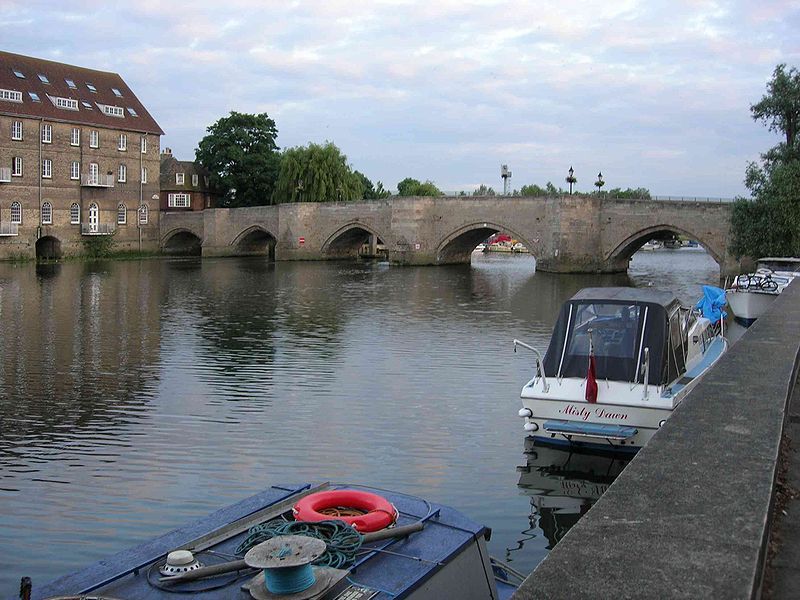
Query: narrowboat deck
{"points": [[446, 558]]}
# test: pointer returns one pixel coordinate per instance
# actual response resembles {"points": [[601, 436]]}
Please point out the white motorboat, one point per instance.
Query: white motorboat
{"points": [[619, 361], [651, 245], [752, 293]]}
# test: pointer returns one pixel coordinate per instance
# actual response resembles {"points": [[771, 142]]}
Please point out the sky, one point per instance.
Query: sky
{"points": [[652, 94]]}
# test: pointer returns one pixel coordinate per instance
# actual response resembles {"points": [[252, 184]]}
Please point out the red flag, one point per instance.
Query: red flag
{"points": [[591, 377]]}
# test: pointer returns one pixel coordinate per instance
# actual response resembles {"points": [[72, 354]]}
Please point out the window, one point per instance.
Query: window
{"points": [[195, 179], [11, 95], [44, 79], [122, 174], [91, 88], [47, 213], [75, 170], [75, 137], [122, 214], [47, 133], [144, 174], [16, 213], [117, 93], [71, 84], [16, 130], [133, 112], [16, 166], [86, 105], [112, 111], [178, 178], [123, 142], [67, 103], [34, 96], [94, 139], [47, 168], [143, 214], [179, 200], [94, 174], [144, 145], [19, 73], [75, 214]]}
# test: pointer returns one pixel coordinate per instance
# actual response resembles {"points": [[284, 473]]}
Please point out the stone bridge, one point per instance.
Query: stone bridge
{"points": [[567, 234]]}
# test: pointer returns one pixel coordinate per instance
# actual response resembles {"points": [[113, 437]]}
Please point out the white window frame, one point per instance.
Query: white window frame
{"points": [[179, 200], [16, 130], [94, 174], [122, 174], [143, 214], [195, 179], [75, 170], [179, 178], [112, 111], [123, 142], [94, 139], [71, 84], [67, 103], [11, 95], [47, 133], [75, 214], [75, 137], [47, 168], [122, 214], [16, 166], [47, 213], [16, 213], [144, 144], [144, 174], [117, 93]]}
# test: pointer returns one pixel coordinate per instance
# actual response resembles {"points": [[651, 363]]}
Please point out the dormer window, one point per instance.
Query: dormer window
{"points": [[68, 103], [117, 93], [11, 95], [112, 111], [91, 88], [178, 178], [19, 73], [44, 79], [71, 84]]}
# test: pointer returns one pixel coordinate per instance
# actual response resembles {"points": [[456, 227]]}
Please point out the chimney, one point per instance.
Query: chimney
{"points": [[167, 152]]}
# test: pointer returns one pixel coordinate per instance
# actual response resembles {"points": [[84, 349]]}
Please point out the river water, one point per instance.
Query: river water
{"points": [[137, 396]]}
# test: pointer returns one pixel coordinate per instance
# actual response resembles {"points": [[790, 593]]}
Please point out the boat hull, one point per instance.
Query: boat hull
{"points": [[747, 306]]}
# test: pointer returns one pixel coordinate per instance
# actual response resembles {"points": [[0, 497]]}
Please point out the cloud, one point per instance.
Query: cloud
{"points": [[447, 90]]}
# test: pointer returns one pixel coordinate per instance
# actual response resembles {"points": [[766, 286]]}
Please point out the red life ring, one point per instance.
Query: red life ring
{"points": [[380, 512]]}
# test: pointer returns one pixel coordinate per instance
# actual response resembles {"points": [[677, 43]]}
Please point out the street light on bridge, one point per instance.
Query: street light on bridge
{"points": [[571, 180], [599, 183]]}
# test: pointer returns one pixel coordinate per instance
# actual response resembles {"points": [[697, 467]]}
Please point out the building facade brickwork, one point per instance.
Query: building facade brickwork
{"points": [[68, 175], [184, 185]]}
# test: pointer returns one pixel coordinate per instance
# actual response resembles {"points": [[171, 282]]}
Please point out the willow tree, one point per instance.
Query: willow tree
{"points": [[316, 173]]}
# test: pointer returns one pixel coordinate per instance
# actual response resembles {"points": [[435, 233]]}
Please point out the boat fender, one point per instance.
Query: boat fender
{"points": [[380, 513]]}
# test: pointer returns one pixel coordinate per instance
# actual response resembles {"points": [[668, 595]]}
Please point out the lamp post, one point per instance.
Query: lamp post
{"points": [[599, 183], [571, 180]]}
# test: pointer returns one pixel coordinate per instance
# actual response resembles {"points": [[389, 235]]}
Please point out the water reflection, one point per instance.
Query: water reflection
{"points": [[563, 484]]}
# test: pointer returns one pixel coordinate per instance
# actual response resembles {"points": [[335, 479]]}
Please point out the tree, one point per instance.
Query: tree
{"points": [[242, 158], [372, 192], [636, 193], [769, 224], [316, 173], [484, 191], [780, 107], [532, 190], [413, 187]]}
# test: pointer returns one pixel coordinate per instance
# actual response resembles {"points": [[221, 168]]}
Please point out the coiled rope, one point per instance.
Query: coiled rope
{"points": [[342, 540]]}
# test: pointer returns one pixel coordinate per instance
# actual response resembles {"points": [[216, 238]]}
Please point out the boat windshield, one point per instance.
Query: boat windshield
{"points": [[611, 327]]}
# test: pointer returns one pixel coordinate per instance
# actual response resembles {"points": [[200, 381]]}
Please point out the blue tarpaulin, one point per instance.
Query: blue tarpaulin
{"points": [[711, 303]]}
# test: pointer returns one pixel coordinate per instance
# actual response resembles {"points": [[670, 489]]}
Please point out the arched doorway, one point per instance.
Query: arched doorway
{"points": [[94, 218], [48, 248]]}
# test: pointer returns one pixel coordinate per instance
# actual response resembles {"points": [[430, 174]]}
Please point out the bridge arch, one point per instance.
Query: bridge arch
{"points": [[624, 250], [255, 241], [346, 241], [182, 242], [457, 247]]}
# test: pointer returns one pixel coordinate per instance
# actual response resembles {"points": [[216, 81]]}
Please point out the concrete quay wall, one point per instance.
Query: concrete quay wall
{"points": [[690, 515]]}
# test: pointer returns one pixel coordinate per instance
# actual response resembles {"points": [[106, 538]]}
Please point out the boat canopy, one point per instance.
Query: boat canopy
{"points": [[790, 264], [620, 322]]}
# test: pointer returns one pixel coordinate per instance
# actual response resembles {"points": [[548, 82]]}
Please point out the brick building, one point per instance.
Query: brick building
{"points": [[79, 157], [184, 185]]}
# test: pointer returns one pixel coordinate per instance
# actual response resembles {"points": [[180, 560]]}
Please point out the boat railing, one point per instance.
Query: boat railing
{"points": [[539, 363], [646, 369]]}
